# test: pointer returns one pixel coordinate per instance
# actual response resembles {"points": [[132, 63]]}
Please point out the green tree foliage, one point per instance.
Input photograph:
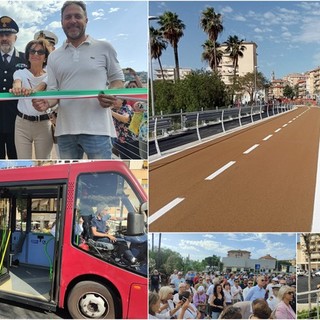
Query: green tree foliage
{"points": [[166, 260], [199, 90], [251, 81], [171, 260], [212, 261], [288, 92], [157, 45], [172, 28], [211, 23]]}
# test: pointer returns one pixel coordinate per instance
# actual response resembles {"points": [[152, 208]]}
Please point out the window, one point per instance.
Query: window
{"points": [[113, 193]]}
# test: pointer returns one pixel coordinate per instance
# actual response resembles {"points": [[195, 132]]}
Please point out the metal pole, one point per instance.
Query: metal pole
{"points": [[255, 84]]}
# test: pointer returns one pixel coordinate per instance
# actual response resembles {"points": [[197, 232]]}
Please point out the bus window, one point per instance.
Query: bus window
{"points": [[112, 191]]}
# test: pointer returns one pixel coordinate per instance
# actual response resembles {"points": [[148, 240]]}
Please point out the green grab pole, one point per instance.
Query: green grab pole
{"points": [[5, 249], [3, 239], [49, 258]]}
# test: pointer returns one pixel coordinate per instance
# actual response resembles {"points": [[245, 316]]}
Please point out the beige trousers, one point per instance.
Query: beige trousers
{"points": [[33, 133]]}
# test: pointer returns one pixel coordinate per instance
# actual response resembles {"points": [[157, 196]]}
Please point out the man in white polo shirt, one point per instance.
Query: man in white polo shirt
{"points": [[82, 63]]}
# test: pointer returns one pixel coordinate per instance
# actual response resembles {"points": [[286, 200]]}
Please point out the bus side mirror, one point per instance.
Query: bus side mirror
{"points": [[144, 208], [135, 224]]}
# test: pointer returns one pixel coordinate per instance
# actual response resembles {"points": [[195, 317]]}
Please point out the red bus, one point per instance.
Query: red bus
{"points": [[46, 263]]}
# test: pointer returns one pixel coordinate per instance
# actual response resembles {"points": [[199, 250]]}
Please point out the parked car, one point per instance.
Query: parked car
{"points": [[300, 272], [317, 273]]}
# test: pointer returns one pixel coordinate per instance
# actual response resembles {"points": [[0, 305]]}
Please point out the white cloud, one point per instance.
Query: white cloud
{"points": [[226, 9], [240, 18], [53, 25], [98, 14], [309, 32], [111, 10], [208, 236], [286, 34]]}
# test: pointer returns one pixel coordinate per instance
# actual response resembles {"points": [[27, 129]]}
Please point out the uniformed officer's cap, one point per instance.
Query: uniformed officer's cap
{"points": [[8, 25], [50, 36]]}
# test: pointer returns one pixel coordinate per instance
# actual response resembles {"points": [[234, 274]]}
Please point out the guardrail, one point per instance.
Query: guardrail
{"points": [[309, 293], [163, 126]]}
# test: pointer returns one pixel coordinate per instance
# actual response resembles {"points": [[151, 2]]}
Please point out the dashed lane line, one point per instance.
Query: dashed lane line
{"points": [[251, 149], [225, 167], [267, 138], [164, 210], [278, 130], [284, 125]]}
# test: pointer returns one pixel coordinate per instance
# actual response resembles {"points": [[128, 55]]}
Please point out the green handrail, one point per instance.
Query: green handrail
{"points": [[49, 258], [5, 250]]}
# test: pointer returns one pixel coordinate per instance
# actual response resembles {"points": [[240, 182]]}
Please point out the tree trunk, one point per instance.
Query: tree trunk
{"points": [[161, 68], [176, 59]]}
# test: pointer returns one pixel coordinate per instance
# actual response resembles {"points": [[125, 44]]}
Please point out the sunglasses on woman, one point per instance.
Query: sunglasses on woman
{"points": [[40, 52]]}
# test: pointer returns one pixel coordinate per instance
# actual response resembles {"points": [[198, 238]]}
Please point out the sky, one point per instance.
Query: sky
{"points": [[286, 32], [201, 245], [123, 23]]}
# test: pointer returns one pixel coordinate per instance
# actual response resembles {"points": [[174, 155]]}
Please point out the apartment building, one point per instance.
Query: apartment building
{"points": [[169, 73], [302, 260], [246, 64]]}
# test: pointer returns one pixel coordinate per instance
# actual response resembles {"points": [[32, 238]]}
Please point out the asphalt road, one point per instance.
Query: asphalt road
{"points": [[302, 286], [259, 179], [12, 310]]}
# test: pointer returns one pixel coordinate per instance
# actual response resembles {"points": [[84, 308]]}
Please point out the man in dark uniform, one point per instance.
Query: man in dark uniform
{"points": [[10, 61]]}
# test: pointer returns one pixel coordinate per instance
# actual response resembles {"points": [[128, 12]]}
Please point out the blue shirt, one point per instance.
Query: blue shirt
{"points": [[255, 293], [100, 225]]}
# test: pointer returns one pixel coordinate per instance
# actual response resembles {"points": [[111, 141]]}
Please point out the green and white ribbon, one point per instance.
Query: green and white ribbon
{"points": [[135, 94]]}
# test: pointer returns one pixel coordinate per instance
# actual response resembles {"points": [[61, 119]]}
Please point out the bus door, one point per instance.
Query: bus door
{"points": [[5, 234], [30, 216]]}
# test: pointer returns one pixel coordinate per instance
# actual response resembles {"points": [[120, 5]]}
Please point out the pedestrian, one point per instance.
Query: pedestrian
{"points": [[155, 281], [83, 125], [32, 127], [11, 60], [258, 291]]}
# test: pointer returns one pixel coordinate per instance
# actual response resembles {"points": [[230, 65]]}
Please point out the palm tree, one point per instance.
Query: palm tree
{"points": [[157, 45], [212, 54], [235, 49], [172, 28], [211, 23]]}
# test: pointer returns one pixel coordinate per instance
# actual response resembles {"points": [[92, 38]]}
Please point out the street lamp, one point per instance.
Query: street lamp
{"points": [[255, 84], [150, 18]]}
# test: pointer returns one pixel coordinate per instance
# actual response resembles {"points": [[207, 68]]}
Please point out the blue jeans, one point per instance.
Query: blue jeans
{"points": [[215, 315], [72, 146]]}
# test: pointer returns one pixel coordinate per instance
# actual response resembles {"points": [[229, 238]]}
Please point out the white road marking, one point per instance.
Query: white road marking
{"points": [[284, 125], [251, 149], [315, 227], [267, 138], [225, 167], [278, 130], [164, 210], [290, 121]]}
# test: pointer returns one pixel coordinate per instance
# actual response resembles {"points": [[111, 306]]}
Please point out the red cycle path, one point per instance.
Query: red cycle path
{"points": [[269, 189]]}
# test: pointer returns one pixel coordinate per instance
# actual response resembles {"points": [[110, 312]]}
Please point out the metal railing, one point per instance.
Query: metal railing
{"points": [[174, 125], [316, 294]]}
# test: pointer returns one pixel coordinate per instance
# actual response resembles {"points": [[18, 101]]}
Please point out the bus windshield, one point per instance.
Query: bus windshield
{"points": [[108, 222]]}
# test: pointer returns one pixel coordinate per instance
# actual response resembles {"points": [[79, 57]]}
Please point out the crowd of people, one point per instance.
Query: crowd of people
{"points": [[97, 128], [231, 295]]}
